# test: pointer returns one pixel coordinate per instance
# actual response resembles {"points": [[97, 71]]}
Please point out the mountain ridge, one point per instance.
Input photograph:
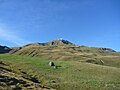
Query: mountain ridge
{"points": [[62, 50], [60, 43]]}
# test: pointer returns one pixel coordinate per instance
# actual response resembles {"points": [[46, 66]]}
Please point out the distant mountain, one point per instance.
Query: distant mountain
{"points": [[4, 49]]}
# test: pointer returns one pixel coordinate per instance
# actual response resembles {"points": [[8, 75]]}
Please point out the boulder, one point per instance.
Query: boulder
{"points": [[51, 64]]}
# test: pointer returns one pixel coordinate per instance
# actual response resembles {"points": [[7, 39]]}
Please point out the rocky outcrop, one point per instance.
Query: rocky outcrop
{"points": [[59, 42]]}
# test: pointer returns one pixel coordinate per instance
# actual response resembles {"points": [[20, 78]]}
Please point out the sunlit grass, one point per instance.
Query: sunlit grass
{"points": [[70, 75]]}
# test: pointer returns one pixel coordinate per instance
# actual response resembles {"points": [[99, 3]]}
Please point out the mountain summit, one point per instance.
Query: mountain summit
{"points": [[59, 42]]}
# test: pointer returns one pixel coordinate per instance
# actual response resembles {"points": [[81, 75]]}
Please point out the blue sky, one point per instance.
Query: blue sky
{"points": [[83, 22]]}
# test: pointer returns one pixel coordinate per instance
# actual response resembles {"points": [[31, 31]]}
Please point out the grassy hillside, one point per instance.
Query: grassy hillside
{"points": [[77, 67], [70, 52], [70, 75], [62, 52]]}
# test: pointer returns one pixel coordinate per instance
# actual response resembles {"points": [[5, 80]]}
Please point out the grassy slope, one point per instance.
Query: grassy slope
{"points": [[72, 75], [63, 52]]}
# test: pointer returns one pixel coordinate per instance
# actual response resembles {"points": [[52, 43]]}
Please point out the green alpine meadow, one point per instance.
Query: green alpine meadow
{"points": [[74, 67]]}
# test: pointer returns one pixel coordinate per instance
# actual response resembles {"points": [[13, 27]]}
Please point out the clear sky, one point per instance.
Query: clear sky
{"points": [[83, 22]]}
